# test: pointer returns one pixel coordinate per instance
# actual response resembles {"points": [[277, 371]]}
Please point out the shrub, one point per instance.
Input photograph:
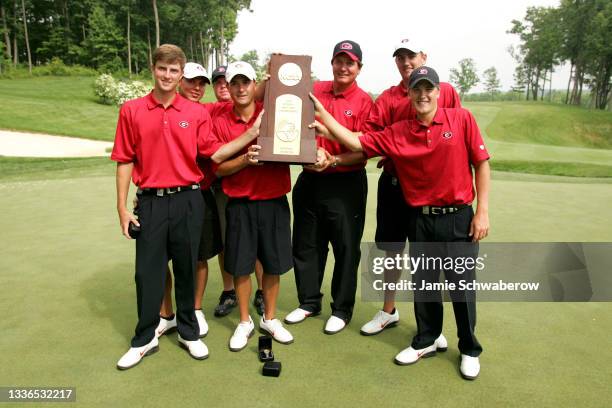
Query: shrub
{"points": [[55, 67], [113, 92]]}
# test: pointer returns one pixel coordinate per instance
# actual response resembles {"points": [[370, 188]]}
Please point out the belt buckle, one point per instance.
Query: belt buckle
{"points": [[160, 192], [437, 211], [172, 190]]}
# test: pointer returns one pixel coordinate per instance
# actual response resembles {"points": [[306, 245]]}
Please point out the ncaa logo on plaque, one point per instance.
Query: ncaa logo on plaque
{"points": [[290, 74]]}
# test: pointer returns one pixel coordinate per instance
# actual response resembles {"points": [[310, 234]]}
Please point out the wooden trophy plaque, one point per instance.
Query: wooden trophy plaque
{"points": [[284, 135]]}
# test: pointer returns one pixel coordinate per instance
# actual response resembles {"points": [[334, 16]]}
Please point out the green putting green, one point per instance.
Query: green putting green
{"points": [[69, 312]]}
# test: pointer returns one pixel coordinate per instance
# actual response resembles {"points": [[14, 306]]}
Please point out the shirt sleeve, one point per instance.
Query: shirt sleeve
{"points": [[124, 149], [473, 139], [204, 130], [212, 142], [378, 143], [452, 97], [378, 117], [215, 141]]}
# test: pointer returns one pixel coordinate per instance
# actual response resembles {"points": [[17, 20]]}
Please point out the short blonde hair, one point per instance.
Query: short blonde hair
{"points": [[169, 53]]}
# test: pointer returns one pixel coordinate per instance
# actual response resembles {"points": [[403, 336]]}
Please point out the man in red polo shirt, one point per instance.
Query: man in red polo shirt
{"points": [[329, 206], [392, 212], [227, 300], [434, 155], [258, 214], [192, 87], [157, 141]]}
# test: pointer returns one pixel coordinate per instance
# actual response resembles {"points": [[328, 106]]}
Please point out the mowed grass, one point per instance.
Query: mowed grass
{"points": [[30, 168], [544, 145], [70, 310], [58, 106], [549, 124], [553, 168]]}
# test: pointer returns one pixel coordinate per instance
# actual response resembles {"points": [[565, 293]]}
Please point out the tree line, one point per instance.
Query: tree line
{"points": [[115, 35], [578, 32], [465, 77]]}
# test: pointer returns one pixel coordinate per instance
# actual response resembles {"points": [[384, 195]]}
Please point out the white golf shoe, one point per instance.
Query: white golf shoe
{"points": [[135, 354], [275, 328], [410, 355], [165, 326], [201, 323], [334, 325], [380, 322], [196, 348], [241, 335], [470, 367], [298, 315]]}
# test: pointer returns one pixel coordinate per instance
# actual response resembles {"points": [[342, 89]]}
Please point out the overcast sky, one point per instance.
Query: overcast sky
{"points": [[450, 30]]}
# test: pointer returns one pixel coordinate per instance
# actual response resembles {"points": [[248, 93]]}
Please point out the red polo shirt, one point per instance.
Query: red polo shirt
{"points": [[350, 108], [394, 105], [163, 143], [253, 182], [433, 163], [216, 108]]}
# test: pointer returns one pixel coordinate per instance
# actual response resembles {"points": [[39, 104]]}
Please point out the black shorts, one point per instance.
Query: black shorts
{"points": [[258, 229], [392, 215], [221, 199], [211, 241]]}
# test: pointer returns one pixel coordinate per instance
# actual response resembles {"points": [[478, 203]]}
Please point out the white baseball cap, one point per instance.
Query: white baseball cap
{"points": [[240, 68], [409, 44], [194, 70]]}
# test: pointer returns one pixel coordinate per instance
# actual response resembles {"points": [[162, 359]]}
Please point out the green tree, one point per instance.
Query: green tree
{"points": [[598, 50], [540, 43], [465, 77], [104, 40], [491, 81]]}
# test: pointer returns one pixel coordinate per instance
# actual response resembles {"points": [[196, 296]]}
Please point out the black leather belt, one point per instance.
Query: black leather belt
{"points": [[433, 210], [160, 192]]}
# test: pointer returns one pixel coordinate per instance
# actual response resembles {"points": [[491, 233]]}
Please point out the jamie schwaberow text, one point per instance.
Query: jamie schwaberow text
{"points": [[380, 285]]}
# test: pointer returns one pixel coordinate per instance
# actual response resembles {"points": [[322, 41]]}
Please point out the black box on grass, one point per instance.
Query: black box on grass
{"points": [[271, 368], [265, 349]]}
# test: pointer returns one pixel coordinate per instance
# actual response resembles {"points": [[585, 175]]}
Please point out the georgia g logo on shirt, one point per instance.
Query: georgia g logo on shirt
{"points": [[447, 135], [184, 124], [348, 112]]}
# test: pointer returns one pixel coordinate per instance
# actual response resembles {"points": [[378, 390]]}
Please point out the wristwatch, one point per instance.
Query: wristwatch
{"points": [[335, 163]]}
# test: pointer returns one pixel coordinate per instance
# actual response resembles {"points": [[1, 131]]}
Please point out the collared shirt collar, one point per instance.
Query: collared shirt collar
{"points": [[401, 89], [238, 119], [438, 119], [177, 102], [346, 93]]}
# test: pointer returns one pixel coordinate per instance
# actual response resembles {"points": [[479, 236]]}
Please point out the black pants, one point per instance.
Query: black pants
{"points": [[170, 229], [328, 208], [444, 229]]}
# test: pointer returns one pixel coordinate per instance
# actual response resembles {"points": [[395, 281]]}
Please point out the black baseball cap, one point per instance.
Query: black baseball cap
{"points": [[350, 48], [423, 74], [219, 72]]}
